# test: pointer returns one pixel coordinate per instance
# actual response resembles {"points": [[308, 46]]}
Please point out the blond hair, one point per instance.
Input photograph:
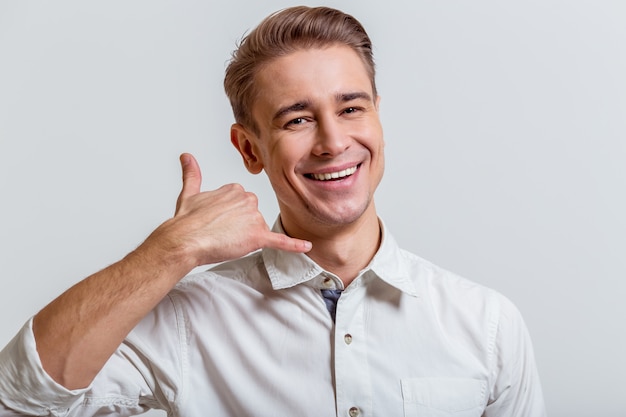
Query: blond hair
{"points": [[281, 33]]}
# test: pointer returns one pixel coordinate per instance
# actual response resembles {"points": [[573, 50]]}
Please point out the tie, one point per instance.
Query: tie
{"points": [[330, 299]]}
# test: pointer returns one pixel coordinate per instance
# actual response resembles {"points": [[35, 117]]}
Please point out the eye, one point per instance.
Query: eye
{"points": [[298, 121], [351, 110]]}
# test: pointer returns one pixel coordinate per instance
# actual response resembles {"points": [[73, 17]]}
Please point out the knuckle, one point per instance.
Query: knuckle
{"points": [[190, 174], [233, 187], [251, 198]]}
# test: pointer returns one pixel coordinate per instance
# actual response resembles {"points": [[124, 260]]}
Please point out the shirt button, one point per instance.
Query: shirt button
{"points": [[347, 338], [354, 411], [327, 283]]}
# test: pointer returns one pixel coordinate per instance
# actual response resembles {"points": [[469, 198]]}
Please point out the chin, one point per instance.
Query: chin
{"points": [[342, 217]]}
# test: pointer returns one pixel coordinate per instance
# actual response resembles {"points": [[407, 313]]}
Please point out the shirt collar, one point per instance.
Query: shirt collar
{"points": [[288, 269]]}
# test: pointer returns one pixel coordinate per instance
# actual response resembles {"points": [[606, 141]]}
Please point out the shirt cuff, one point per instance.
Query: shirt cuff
{"points": [[25, 386]]}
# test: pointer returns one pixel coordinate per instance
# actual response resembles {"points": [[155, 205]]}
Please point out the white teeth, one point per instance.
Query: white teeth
{"points": [[334, 175]]}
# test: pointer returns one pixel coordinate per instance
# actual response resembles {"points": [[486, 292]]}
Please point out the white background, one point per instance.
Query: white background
{"points": [[505, 125]]}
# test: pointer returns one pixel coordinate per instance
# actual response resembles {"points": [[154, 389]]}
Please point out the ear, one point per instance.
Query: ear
{"points": [[377, 104], [245, 142]]}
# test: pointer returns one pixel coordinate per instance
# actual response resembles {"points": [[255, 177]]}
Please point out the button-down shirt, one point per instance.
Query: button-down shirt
{"points": [[253, 337]]}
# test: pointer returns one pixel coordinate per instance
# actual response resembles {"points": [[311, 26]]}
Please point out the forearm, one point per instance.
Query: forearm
{"points": [[78, 332]]}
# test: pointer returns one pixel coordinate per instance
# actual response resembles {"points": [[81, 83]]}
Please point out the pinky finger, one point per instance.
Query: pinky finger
{"points": [[286, 243]]}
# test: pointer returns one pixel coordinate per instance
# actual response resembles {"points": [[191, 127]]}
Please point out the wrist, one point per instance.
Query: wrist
{"points": [[167, 250]]}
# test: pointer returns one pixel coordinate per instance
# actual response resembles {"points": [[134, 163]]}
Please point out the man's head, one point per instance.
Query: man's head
{"points": [[282, 33], [302, 87]]}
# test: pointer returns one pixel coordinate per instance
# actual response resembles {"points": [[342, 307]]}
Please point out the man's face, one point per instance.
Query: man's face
{"points": [[319, 138]]}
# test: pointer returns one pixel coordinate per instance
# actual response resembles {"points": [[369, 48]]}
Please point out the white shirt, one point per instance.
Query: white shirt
{"points": [[253, 337]]}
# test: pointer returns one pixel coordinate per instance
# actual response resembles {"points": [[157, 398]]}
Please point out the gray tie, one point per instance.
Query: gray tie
{"points": [[330, 299]]}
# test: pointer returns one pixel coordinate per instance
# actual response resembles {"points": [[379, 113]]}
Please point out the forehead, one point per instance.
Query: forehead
{"points": [[314, 75]]}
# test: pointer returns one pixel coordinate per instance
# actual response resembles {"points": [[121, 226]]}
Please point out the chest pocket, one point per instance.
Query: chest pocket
{"points": [[443, 397]]}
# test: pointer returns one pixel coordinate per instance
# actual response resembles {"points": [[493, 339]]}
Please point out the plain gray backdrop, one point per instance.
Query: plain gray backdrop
{"points": [[505, 125]]}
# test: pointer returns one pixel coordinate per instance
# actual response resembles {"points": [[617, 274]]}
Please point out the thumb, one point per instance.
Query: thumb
{"points": [[192, 178]]}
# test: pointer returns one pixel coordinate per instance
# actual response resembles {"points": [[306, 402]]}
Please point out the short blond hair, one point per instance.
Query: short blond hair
{"points": [[284, 32]]}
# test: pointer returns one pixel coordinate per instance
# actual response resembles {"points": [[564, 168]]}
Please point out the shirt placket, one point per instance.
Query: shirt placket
{"points": [[352, 373]]}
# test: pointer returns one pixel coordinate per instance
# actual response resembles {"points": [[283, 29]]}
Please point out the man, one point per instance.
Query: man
{"points": [[329, 317]]}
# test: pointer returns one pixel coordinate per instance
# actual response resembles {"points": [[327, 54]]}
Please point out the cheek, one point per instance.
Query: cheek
{"points": [[375, 141], [286, 153], [372, 130]]}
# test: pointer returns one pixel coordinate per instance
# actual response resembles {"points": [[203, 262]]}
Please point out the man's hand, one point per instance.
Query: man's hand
{"points": [[219, 225], [208, 227]]}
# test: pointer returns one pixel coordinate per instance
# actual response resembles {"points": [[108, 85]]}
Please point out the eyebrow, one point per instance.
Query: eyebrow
{"points": [[306, 104], [299, 106], [358, 95]]}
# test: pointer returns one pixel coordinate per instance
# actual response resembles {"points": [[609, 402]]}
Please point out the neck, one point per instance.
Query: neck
{"points": [[343, 249]]}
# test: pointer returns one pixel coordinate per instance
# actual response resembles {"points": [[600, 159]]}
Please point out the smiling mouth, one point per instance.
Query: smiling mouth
{"points": [[330, 176]]}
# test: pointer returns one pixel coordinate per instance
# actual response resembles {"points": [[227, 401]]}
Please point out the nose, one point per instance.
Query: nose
{"points": [[332, 138]]}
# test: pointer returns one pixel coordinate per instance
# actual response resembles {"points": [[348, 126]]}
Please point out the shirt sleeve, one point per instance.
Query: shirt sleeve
{"points": [[25, 386], [516, 391], [143, 374]]}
